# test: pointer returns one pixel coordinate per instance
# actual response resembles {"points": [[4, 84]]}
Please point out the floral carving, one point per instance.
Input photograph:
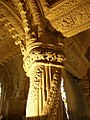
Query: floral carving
{"points": [[43, 56]]}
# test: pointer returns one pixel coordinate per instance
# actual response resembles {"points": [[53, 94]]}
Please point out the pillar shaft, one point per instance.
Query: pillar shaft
{"points": [[43, 64], [42, 61], [76, 104]]}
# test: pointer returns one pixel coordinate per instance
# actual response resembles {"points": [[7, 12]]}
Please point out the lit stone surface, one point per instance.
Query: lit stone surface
{"points": [[34, 55]]}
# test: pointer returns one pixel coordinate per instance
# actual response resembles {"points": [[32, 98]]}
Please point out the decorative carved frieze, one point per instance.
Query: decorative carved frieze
{"points": [[62, 7], [70, 17]]}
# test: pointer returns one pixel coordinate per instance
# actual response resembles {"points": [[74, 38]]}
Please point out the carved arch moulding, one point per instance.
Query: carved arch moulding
{"points": [[12, 22], [5, 80]]}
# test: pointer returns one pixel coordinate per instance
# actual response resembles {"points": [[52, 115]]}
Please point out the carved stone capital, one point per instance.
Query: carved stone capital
{"points": [[43, 54]]}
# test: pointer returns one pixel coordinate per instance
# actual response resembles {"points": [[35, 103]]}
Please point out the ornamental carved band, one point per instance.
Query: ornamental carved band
{"points": [[43, 55], [70, 17]]}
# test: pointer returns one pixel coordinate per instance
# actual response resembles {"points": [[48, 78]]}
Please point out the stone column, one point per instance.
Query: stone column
{"points": [[1, 101], [75, 100], [38, 59], [42, 61]]}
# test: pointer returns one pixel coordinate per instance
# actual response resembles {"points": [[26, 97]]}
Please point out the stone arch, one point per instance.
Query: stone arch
{"points": [[13, 74], [12, 21], [5, 81]]}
